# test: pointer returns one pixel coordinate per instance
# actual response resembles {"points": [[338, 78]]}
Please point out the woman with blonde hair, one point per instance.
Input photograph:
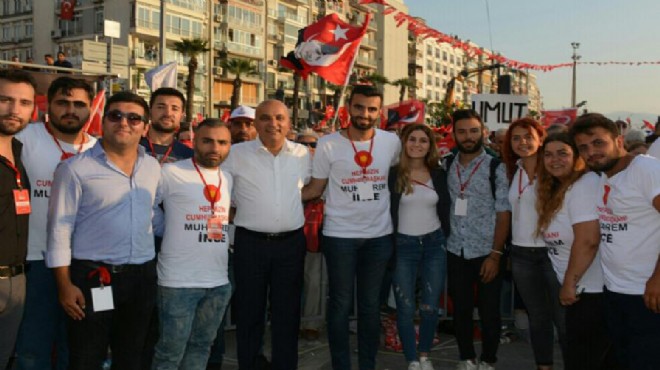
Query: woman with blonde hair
{"points": [[568, 223], [420, 218]]}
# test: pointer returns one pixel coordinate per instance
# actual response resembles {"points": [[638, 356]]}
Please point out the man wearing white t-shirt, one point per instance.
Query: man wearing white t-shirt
{"points": [[628, 208], [44, 146], [193, 285], [354, 165]]}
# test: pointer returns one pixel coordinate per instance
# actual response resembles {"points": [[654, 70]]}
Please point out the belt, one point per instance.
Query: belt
{"points": [[113, 269], [269, 236], [7, 272]]}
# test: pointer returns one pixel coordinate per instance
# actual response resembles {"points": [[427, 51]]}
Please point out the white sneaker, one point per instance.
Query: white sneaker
{"points": [[414, 365], [467, 365], [426, 364], [486, 366]]}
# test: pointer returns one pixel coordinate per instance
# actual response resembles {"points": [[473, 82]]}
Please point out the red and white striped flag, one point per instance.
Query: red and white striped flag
{"points": [[94, 123]]}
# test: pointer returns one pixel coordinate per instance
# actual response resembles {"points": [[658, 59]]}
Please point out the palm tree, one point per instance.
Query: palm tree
{"points": [[191, 48], [375, 79], [403, 84], [238, 67]]}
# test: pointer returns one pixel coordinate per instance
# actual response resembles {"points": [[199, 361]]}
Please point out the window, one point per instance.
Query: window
{"points": [[437, 81], [444, 56], [451, 59]]}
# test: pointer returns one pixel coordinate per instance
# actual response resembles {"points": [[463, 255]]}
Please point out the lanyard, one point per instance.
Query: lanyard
{"points": [[16, 172], [422, 184], [362, 158], [212, 196], [65, 155], [465, 184], [606, 194], [522, 189], [167, 153]]}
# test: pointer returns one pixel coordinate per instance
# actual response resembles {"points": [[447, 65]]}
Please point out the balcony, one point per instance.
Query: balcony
{"points": [[244, 24], [244, 49], [369, 62], [195, 6], [296, 19], [369, 43]]}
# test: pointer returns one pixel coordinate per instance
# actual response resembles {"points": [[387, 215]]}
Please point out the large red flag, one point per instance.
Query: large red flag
{"points": [[326, 48], [93, 125], [558, 117], [67, 9]]}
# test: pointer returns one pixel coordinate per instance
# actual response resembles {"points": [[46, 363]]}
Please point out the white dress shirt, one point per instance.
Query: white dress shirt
{"points": [[267, 188]]}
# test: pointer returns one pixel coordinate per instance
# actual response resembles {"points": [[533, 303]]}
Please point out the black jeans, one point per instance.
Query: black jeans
{"points": [[124, 329], [268, 267], [634, 329], [462, 276], [588, 345]]}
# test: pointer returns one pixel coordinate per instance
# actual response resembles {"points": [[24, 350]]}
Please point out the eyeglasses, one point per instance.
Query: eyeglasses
{"points": [[311, 145], [134, 119]]}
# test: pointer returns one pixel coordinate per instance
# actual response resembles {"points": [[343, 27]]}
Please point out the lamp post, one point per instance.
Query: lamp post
{"points": [[575, 58]]}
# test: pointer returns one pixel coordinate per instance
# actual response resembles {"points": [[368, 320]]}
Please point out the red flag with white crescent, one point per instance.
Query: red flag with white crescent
{"points": [[93, 126], [326, 48], [67, 8], [558, 117]]}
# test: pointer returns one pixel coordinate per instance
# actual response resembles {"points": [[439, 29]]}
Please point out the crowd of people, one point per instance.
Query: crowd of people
{"points": [[136, 242]]}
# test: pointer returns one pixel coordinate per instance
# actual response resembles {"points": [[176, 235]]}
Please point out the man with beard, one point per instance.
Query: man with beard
{"points": [[479, 219], [354, 165], [241, 124], [101, 243], [167, 108], [17, 93], [628, 208], [193, 282], [44, 146]]}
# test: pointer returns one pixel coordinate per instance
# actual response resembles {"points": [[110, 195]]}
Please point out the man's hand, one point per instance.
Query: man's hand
{"points": [[568, 295], [489, 269], [652, 293], [72, 300]]}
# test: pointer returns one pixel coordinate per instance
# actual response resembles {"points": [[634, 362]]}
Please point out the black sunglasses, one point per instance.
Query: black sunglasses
{"points": [[134, 119], [311, 145]]}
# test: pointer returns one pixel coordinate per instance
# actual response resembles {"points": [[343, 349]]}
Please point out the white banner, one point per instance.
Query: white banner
{"points": [[499, 110], [161, 76]]}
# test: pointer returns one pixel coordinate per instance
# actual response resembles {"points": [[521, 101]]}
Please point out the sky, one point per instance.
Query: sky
{"points": [[541, 32]]}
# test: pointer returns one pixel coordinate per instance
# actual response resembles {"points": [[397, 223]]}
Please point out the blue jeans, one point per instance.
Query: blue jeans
{"points": [[189, 321], [43, 325], [426, 256], [348, 258]]}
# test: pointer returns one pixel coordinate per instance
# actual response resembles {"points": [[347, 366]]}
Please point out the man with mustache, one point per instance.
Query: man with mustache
{"points": [[479, 219], [17, 91], [357, 243], [167, 106], [45, 145]]}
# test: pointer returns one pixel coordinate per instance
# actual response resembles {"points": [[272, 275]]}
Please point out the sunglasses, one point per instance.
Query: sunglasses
{"points": [[133, 119], [311, 145]]}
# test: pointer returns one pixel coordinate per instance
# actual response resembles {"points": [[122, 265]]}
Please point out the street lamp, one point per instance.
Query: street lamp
{"points": [[575, 58]]}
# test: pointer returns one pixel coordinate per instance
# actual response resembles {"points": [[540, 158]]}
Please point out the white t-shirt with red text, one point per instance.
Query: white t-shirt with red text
{"points": [[630, 225], [188, 257], [40, 156], [579, 206], [347, 214]]}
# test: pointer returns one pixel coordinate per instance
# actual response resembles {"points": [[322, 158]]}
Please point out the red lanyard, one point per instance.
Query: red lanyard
{"points": [[362, 158], [167, 153], [212, 196], [422, 184], [462, 184], [65, 155], [606, 194], [16, 172], [521, 189]]}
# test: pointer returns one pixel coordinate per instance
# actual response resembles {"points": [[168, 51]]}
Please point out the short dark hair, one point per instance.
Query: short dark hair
{"points": [[466, 114], [128, 97], [211, 123], [60, 52], [366, 90], [587, 122], [48, 55], [66, 84], [167, 91], [18, 76]]}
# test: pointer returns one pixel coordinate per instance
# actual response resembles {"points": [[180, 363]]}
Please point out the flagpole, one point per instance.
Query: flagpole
{"points": [[342, 98]]}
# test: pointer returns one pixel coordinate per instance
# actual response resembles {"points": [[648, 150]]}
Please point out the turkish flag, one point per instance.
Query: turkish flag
{"points": [[67, 9], [225, 115], [94, 123], [558, 117], [406, 112], [326, 48], [648, 126]]}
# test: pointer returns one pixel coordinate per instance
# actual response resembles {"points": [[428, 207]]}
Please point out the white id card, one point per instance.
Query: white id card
{"points": [[365, 190], [102, 299], [460, 208]]}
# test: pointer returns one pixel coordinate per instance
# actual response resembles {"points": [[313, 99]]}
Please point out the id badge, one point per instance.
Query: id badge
{"points": [[22, 202], [214, 228], [460, 207], [102, 299], [365, 190]]}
